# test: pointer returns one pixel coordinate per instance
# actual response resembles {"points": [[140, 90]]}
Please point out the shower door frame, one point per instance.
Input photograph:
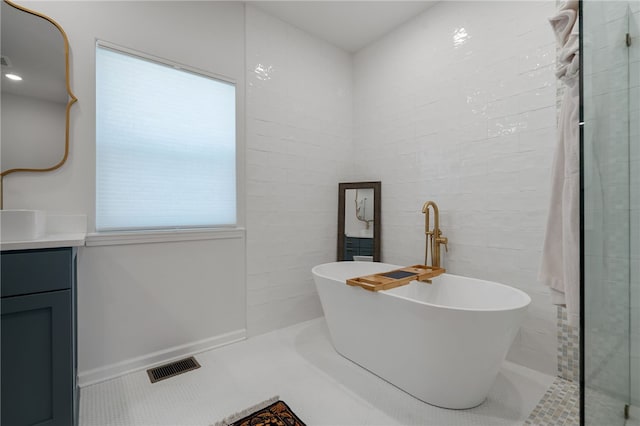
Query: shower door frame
{"points": [[583, 331]]}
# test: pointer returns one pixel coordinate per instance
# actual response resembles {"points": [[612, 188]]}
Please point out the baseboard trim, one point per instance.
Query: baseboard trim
{"points": [[101, 374]]}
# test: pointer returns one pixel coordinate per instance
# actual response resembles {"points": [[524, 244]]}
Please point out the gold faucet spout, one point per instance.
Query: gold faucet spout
{"points": [[434, 236]]}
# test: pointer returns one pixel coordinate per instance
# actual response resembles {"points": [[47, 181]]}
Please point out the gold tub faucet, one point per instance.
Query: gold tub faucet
{"points": [[434, 236]]}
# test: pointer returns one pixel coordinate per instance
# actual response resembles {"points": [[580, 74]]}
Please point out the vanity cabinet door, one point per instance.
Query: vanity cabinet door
{"points": [[37, 359], [366, 247], [351, 248]]}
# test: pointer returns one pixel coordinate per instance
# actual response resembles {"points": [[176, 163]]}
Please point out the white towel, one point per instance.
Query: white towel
{"points": [[560, 267], [566, 28], [569, 4], [562, 25]]}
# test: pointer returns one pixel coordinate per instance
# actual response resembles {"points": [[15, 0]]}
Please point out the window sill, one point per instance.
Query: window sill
{"points": [[162, 236]]}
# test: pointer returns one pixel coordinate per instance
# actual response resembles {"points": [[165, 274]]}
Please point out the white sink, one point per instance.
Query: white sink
{"points": [[22, 225]]}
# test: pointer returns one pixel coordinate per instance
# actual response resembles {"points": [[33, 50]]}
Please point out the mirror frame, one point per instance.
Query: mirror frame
{"points": [[72, 98], [342, 187]]}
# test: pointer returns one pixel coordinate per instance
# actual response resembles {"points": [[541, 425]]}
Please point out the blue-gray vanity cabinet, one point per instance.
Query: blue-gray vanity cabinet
{"points": [[38, 337], [355, 246], [351, 248]]}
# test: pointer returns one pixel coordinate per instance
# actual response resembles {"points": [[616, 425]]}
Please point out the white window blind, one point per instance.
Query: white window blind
{"points": [[165, 145]]}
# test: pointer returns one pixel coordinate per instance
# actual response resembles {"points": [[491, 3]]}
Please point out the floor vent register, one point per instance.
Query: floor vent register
{"points": [[172, 369]]}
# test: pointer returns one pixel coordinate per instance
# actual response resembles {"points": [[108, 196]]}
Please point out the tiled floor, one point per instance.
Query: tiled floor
{"points": [[299, 364], [560, 405]]}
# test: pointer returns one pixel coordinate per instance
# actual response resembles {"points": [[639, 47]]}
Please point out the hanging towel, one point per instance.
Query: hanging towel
{"points": [[569, 4], [562, 25], [560, 266]]}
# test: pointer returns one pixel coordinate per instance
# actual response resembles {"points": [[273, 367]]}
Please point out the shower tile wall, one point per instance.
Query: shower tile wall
{"points": [[568, 348], [568, 336], [299, 118], [458, 106]]}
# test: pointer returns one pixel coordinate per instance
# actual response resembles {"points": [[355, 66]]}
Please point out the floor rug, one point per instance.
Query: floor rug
{"points": [[271, 412]]}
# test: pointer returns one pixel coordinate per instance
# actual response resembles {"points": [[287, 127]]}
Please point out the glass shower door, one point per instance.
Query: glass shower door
{"points": [[610, 224]]}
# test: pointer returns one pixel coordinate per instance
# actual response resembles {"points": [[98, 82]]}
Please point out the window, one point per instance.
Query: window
{"points": [[165, 144]]}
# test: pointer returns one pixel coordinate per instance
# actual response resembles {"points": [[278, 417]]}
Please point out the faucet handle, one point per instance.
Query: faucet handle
{"points": [[445, 241]]}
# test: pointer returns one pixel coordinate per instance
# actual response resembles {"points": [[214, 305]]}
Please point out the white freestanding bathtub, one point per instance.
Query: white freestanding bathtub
{"points": [[442, 343]]}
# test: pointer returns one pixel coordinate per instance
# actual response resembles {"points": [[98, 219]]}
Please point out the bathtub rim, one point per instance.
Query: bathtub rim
{"points": [[527, 298]]}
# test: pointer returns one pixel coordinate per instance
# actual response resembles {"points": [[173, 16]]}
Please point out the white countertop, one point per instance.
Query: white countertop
{"points": [[48, 241], [62, 230], [359, 234]]}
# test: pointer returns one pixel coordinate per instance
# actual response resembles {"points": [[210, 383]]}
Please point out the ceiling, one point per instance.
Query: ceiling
{"points": [[350, 25]]}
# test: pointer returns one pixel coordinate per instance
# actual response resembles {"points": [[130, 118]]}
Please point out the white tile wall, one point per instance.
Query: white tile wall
{"points": [[299, 118], [458, 106]]}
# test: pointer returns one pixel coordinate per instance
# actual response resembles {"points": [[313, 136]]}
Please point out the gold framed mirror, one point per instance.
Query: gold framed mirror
{"points": [[359, 207], [36, 92]]}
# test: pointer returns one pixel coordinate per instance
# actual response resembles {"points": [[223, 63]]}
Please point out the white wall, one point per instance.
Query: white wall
{"points": [[458, 106], [144, 302], [299, 115], [470, 126], [33, 132]]}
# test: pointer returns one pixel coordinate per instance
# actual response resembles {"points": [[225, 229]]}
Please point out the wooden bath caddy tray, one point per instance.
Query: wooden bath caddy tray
{"points": [[396, 278]]}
